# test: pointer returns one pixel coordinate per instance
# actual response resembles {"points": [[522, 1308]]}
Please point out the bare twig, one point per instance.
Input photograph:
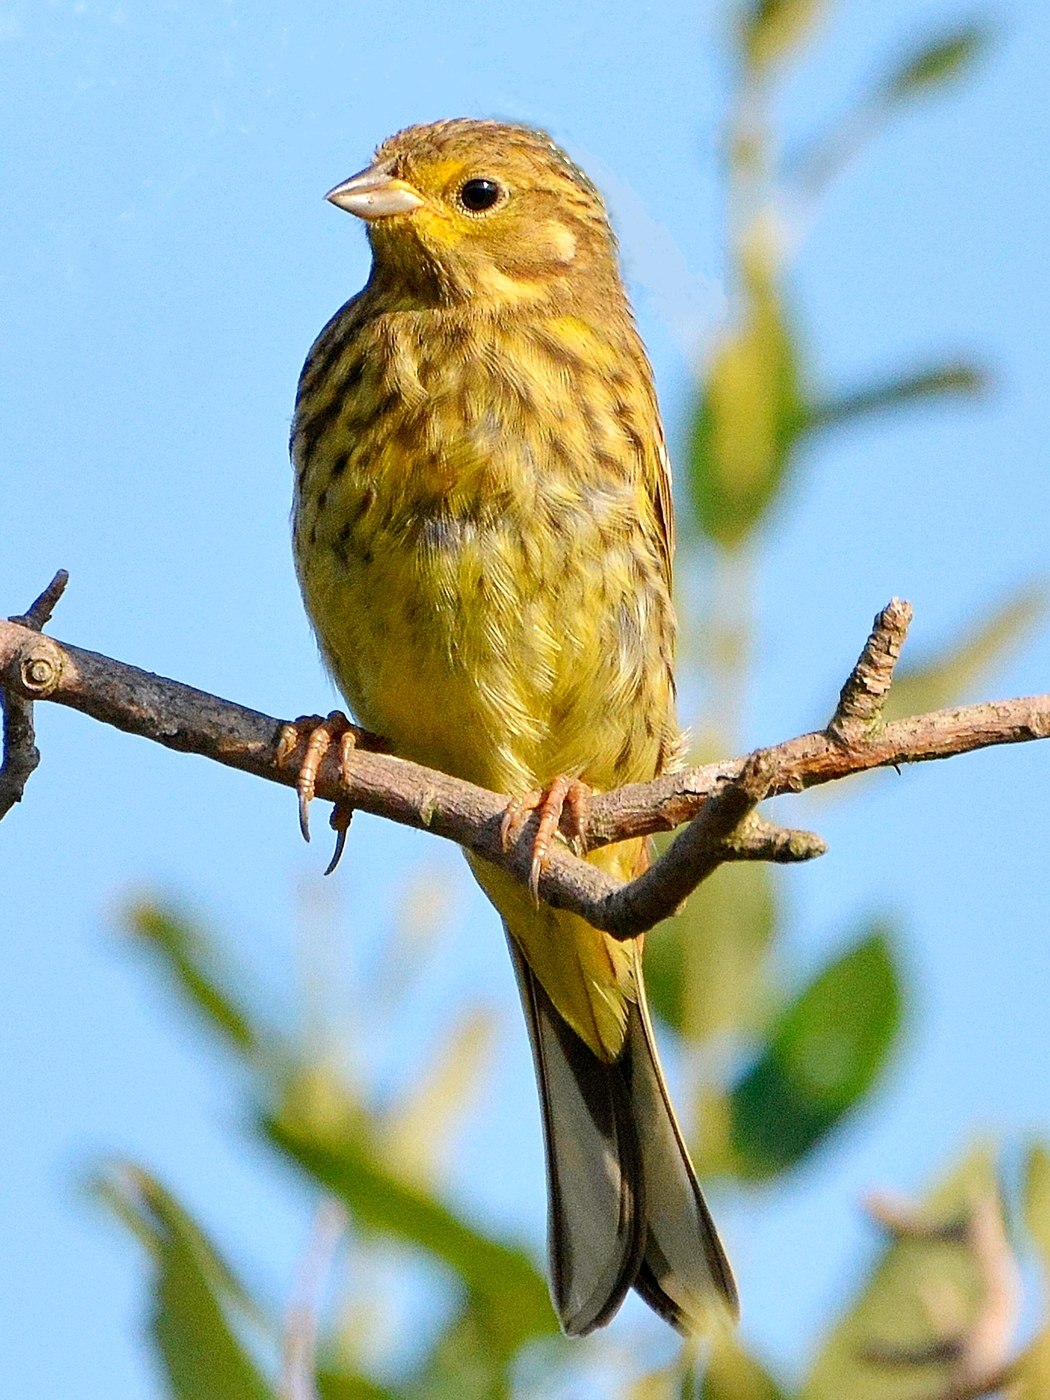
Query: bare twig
{"points": [[864, 694], [720, 797], [40, 610], [21, 755]]}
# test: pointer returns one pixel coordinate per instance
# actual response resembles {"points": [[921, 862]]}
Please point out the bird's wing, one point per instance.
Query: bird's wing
{"points": [[663, 501]]}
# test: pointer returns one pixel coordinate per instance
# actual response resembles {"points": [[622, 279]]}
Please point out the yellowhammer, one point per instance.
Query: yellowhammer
{"points": [[483, 535]]}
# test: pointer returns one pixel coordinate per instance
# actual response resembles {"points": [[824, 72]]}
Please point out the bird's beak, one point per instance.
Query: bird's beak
{"points": [[375, 194]]}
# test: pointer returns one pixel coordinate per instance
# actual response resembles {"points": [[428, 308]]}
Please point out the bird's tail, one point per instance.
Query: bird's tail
{"points": [[624, 1206]]}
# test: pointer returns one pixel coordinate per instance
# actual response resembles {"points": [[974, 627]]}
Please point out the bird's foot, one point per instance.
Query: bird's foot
{"points": [[315, 736], [567, 798]]}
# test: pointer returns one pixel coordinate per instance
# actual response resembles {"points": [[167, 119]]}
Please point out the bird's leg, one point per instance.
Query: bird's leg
{"points": [[319, 735], [567, 797]]}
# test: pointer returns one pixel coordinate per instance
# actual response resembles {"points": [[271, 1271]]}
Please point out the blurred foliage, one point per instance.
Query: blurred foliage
{"points": [[732, 1374], [936, 63], [945, 58], [351, 1150], [820, 1058], [905, 1337], [704, 987], [774, 1062], [1033, 1371], [505, 1293], [750, 413], [771, 29], [900, 391], [190, 961], [197, 1301]]}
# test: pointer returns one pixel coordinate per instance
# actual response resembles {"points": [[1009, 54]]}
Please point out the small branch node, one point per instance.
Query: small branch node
{"points": [[35, 672], [758, 776]]}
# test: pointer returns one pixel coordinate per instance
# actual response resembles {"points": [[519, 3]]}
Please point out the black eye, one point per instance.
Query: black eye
{"points": [[479, 195]]}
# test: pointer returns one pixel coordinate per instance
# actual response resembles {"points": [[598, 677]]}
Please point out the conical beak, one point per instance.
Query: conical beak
{"points": [[375, 194]]}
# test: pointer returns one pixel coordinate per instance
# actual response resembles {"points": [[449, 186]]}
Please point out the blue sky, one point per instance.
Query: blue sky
{"points": [[167, 259]]}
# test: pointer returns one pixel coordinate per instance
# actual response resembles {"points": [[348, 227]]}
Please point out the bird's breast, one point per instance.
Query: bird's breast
{"points": [[475, 546]]}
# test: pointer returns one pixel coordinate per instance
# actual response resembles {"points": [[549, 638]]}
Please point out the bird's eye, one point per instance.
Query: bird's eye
{"points": [[477, 196]]}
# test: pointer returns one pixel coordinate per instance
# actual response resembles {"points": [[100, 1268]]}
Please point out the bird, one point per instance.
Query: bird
{"points": [[483, 537]]}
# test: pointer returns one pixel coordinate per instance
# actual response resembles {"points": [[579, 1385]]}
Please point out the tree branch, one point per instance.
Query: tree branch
{"points": [[717, 799], [20, 753]]}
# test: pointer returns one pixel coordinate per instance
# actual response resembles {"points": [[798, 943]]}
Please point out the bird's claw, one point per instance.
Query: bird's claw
{"points": [[339, 821], [565, 797], [319, 734]]}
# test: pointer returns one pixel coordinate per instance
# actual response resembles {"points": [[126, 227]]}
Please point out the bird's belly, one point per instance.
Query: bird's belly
{"points": [[491, 652]]}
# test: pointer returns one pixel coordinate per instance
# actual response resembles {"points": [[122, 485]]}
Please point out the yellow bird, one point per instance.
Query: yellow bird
{"points": [[483, 537]]}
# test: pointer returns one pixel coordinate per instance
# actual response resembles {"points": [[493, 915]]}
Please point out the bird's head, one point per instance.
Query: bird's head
{"points": [[480, 211]]}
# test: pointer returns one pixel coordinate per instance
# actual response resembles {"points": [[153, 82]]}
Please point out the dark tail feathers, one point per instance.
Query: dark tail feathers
{"points": [[624, 1206]]}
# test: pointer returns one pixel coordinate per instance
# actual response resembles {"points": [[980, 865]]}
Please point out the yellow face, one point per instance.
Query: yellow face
{"points": [[468, 210]]}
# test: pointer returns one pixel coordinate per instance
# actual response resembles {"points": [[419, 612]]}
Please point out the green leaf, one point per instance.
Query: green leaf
{"points": [[195, 1295], [772, 29], [938, 62], [704, 968], [418, 1131], [1030, 1380], [1033, 1371], [945, 677], [900, 1339], [338, 1385], [192, 963], [707, 975], [1037, 1201], [825, 1051], [812, 168], [939, 381], [504, 1286], [461, 1367], [748, 420]]}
